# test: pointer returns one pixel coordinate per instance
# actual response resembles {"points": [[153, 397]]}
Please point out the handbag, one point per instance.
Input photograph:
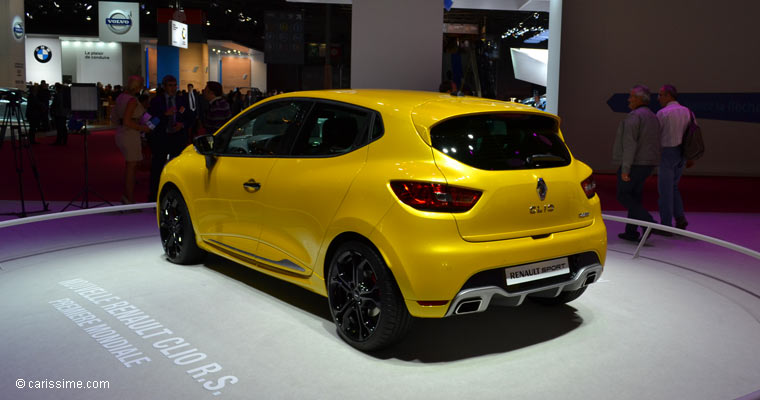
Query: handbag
{"points": [[692, 145]]}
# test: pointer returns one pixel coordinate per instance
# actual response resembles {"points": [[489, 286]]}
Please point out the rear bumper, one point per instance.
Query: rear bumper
{"points": [[478, 299], [432, 263]]}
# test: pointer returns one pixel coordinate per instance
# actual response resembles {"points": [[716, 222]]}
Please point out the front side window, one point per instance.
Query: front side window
{"points": [[333, 129], [502, 141], [267, 130]]}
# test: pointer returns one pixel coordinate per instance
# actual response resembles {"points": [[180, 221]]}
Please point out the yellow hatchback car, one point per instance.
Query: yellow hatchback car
{"points": [[392, 204]]}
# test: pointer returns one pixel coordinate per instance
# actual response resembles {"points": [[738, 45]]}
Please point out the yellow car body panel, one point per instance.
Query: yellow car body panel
{"points": [[306, 205]]}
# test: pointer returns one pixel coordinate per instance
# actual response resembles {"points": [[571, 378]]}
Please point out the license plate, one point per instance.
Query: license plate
{"points": [[535, 271]]}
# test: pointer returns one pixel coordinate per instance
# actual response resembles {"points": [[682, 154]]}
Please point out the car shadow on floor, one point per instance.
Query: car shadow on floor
{"points": [[497, 330], [287, 292]]}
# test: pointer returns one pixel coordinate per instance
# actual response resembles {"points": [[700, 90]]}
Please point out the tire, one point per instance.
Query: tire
{"points": [[365, 302], [176, 230], [564, 297]]}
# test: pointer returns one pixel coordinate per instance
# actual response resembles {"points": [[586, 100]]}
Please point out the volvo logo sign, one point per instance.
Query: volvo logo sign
{"points": [[541, 189], [17, 28], [42, 54], [119, 22]]}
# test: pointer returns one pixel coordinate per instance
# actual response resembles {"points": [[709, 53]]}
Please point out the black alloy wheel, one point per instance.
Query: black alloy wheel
{"points": [[365, 303], [176, 229]]}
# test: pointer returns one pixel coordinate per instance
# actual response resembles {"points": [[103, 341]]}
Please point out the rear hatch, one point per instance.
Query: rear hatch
{"points": [[531, 186]]}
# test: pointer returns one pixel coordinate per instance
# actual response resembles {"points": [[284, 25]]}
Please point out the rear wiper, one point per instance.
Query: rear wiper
{"points": [[537, 158]]}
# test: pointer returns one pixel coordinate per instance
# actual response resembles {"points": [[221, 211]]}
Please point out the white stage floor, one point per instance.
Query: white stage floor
{"points": [[686, 327]]}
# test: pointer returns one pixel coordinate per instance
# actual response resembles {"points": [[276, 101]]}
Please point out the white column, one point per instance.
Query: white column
{"points": [[396, 44], [13, 31], [552, 70], [258, 71]]}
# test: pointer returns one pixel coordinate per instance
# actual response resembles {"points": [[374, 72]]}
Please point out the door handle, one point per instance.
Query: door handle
{"points": [[251, 186]]}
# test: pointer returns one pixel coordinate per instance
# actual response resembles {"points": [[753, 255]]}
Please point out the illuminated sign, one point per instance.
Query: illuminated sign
{"points": [[119, 21], [18, 28], [178, 33]]}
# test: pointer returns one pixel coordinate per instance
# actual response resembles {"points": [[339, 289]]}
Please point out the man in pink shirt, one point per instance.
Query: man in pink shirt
{"points": [[674, 119]]}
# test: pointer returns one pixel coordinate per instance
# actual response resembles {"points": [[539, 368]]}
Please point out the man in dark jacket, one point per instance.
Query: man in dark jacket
{"points": [[169, 137], [60, 110], [33, 112]]}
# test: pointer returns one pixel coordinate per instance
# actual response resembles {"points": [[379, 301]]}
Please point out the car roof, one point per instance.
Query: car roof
{"points": [[426, 108], [407, 99]]}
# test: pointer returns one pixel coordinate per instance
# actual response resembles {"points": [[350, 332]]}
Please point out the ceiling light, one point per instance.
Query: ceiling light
{"points": [[89, 7], [88, 18], [56, 5], [147, 12], [208, 23]]}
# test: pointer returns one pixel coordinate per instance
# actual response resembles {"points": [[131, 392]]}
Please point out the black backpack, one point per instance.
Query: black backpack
{"points": [[692, 145]]}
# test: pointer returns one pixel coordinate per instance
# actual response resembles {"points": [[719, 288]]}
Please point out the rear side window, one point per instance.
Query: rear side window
{"points": [[333, 129], [502, 141]]}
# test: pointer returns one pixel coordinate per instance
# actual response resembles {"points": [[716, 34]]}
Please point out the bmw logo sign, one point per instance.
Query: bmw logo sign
{"points": [[119, 22], [42, 54]]}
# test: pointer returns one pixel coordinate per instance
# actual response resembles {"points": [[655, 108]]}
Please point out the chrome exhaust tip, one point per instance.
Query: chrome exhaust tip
{"points": [[468, 306]]}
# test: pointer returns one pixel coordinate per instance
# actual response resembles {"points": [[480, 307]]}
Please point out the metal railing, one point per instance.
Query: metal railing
{"points": [[66, 214], [649, 226], [653, 225]]}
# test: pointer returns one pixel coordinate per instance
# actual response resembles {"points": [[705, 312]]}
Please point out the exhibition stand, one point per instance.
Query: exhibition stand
{"points": [[94, 299]]}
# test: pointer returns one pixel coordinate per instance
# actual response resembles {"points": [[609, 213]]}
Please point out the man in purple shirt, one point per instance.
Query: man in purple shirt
{"points": [[218, 111]]}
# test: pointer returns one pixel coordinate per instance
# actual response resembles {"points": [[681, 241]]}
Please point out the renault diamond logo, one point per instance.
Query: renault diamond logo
{"points": [[541, 189], [42, 54]]}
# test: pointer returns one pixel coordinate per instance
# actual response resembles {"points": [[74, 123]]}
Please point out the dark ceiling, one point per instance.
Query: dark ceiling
{"points": [[242, 21]]}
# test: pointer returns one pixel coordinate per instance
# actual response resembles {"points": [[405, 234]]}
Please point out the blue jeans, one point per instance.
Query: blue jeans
{"points": [[631, 194], [669, 174]]}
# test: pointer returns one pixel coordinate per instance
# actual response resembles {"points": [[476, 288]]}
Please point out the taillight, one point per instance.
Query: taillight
{"points": [[428, 196], [589, 186]]}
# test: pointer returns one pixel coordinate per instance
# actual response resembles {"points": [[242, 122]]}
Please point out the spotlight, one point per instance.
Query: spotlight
{"points": [[88, 18], [89, 7]]}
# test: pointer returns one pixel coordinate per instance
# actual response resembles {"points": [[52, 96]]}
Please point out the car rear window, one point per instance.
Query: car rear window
{"points": [[502, 141]]}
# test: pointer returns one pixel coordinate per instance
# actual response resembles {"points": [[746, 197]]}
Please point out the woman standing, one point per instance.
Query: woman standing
{"points": [[126, 115]]}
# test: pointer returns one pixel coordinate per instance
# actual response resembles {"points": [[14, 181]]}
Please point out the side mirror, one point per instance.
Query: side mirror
{"points": [[204, 145]]}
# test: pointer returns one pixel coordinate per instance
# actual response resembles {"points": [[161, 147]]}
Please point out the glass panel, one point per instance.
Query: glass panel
{"points": [[332, 130], [262, 131], [502, 141]]}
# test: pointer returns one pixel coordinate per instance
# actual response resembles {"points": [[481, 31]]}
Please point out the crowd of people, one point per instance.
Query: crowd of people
{"points": [[164, 120]]}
